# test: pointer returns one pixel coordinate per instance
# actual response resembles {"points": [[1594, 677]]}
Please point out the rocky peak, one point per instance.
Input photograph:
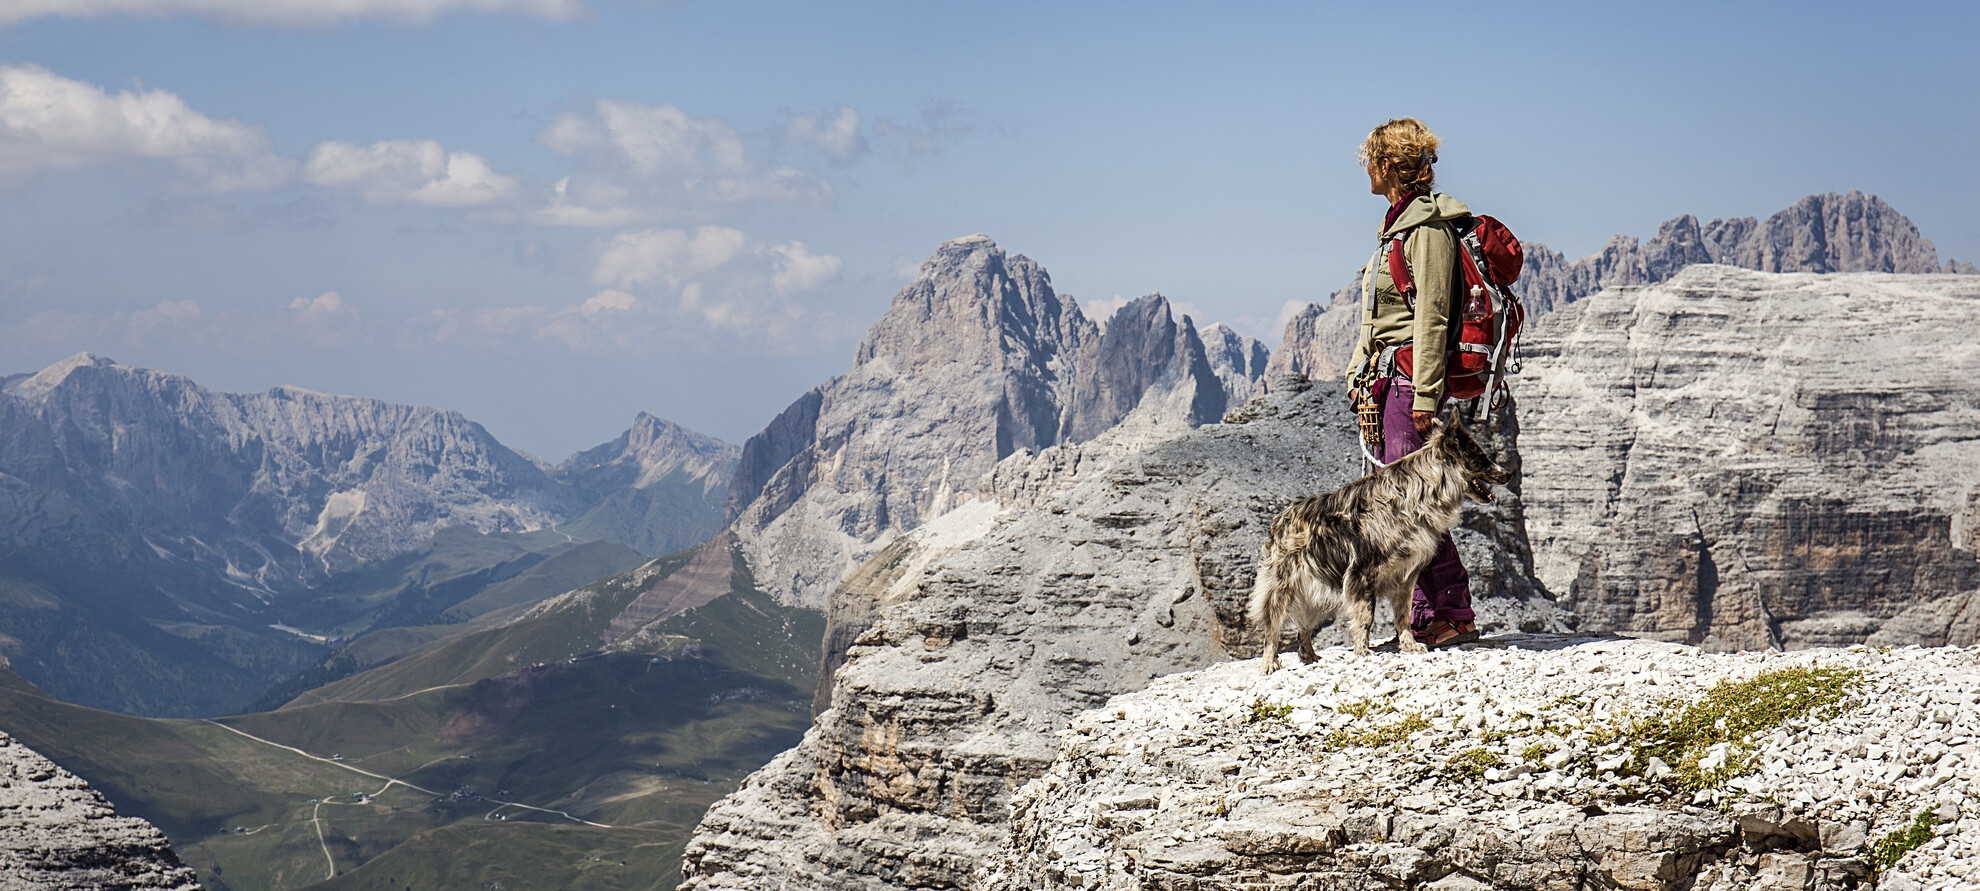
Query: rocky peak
{"points": [[1239, 361], [970, 297], [1143, 348], [653, 449], [659, 487], [39, 384], [975, 361]]}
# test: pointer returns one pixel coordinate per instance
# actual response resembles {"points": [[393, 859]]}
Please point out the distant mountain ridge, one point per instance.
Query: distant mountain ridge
{"points": [[976, 361], [162, 540], [1851, 232], [660, 487]]}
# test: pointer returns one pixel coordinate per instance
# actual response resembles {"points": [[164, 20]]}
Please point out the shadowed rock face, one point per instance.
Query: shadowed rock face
{"points": [[1739, 459], [57, 832], [1852, 232], [975, 361], [969, 642]]}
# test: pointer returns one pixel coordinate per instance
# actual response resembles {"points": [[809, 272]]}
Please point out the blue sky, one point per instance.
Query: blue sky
{"points": [[553, 214]]}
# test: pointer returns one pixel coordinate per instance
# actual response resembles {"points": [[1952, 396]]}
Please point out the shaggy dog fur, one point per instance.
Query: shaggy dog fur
{"points": [[1367, 542]]}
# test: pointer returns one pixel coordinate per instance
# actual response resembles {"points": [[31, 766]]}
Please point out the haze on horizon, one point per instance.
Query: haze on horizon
{"points": [[554, 214]]}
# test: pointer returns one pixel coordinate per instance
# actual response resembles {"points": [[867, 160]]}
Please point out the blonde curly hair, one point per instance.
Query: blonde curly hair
{"points": [[1406, 146]]}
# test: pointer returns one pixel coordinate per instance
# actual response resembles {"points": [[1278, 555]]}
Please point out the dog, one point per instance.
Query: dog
{"points": [[1352, 548]]}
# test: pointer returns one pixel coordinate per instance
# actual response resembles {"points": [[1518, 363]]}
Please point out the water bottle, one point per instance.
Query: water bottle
{"points": [[1476, 307]]}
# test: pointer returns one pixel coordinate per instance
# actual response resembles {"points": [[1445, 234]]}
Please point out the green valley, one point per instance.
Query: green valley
{"points": [[572, 742]]}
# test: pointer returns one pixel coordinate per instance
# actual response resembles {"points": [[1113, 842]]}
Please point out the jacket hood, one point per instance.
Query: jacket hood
{"points": [[1427, 209]]}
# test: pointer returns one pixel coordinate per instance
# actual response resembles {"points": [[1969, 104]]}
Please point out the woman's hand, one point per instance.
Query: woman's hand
{"points": [[1423, 420]]}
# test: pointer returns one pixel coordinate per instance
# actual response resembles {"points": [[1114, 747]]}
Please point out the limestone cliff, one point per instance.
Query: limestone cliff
{"points": [[968, 642], [976, 360], [1851, 232], [1746, 459], [58, 834]]}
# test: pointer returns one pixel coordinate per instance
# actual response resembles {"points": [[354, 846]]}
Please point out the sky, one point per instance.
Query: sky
{"points": [[551, 215]]}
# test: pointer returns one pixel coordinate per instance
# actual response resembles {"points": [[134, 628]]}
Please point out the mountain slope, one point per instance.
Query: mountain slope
{"points": [[659, 487]]}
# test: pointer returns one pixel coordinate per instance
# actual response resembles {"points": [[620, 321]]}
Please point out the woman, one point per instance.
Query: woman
{"points": [[1405, 382]]}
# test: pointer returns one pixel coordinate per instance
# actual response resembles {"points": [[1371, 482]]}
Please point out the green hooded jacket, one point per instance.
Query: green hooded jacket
{"points": [[1386, 320]]}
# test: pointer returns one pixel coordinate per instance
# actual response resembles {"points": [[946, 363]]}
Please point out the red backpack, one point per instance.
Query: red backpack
{"points": [[1489, 258]]}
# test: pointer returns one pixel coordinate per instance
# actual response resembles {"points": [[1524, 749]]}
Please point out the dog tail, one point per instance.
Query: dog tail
{"points": [[1261, 591], [1289, 533]]}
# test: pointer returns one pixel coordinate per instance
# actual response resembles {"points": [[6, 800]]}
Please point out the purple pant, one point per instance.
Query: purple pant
{"points": [[1443, 591]]}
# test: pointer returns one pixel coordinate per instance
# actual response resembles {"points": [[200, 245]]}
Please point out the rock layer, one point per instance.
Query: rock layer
{"points": [[1742, 459], [58, 833], [977, 360], [1508, 764], [968, 642]]}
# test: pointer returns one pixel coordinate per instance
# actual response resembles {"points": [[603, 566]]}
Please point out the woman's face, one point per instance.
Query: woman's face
{"points": [[1381, 177]]}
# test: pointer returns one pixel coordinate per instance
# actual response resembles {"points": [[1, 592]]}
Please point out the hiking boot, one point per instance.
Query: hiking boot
{"points": [[1447, 633]]}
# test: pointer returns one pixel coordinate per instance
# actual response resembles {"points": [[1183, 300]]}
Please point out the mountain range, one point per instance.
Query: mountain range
{"points": [[1831, 232], [174, 550]]}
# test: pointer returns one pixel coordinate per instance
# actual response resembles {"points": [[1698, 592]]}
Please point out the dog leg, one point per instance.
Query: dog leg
{"points": [[1360, 612], [1275, 618], [1398, 604]]}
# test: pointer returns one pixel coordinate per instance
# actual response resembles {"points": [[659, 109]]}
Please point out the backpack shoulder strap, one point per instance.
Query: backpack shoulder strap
{"points": [[1399, 267]]}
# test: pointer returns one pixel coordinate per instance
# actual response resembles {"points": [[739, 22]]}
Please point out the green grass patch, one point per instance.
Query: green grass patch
{"points": [[1262, 711], [1362, 708], [1376, 737], [1685, 738], [1892, 848], [1472, 764]]}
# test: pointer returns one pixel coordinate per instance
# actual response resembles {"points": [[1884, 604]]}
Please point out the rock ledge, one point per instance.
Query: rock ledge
{"points": [[1219, 778]]}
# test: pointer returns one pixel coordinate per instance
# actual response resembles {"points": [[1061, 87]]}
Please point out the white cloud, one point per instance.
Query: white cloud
{"points": [[417, 171], [644, 163], [1285, 316], [669, 255], [51, 122], [609, 319], [716, 279], [285, 13], [322, 322], [798, 269], [839, 135]]}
